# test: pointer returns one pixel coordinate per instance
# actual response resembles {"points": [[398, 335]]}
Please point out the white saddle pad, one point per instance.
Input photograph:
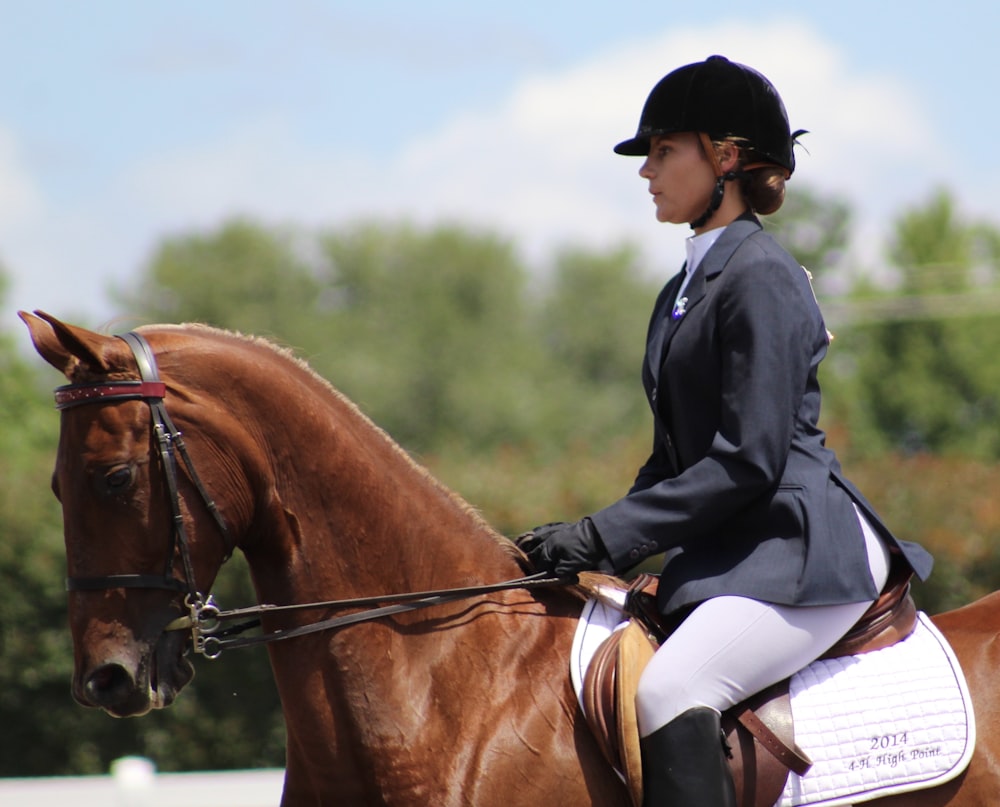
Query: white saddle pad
{"points": [[881, 723], [874, 725]]}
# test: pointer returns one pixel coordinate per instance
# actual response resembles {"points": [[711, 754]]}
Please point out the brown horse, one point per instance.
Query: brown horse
{"points": [[464, 703]]}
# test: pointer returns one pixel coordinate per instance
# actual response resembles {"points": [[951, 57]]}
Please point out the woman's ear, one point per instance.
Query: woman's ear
{"points": [[728, 154]]}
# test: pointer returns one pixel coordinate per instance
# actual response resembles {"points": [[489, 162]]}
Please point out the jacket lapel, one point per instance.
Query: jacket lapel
{"points": [[660, 320], [711, 265]]}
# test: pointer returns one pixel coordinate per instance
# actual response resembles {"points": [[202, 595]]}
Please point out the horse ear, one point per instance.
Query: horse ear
{"points": [[64, 346]]}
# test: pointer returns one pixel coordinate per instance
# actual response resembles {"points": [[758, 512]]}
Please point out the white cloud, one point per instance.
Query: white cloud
{"points": [[540, 164], [259, 170], [535, 164]]}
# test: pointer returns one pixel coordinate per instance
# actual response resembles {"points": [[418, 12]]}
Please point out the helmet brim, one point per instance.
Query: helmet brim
{"points": [[634, 147]]}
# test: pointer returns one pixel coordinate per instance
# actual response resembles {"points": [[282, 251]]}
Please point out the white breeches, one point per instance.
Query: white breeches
{"points": [[728, 648]]}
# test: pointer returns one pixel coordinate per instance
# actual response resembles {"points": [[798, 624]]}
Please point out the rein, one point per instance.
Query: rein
{"points": [[204, 619], [210, 639]]}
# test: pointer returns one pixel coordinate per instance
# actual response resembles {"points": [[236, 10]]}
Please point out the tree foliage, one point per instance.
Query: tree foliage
{"points": [[441, 336], [924, 370], [243, 277], [426, 331], [815, 229]]}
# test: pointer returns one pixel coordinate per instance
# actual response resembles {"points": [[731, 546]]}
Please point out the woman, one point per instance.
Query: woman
{"points": [[767, 544]]}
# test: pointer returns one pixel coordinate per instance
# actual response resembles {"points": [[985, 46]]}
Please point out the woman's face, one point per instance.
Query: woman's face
{"points": [[680, 177]]}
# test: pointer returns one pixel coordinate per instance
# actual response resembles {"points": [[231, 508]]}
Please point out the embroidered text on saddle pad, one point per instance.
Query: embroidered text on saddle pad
{"points": [[882, 723]]}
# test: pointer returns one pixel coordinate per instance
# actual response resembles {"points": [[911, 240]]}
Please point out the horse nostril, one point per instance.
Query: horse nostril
{"points": [[108, 684]]}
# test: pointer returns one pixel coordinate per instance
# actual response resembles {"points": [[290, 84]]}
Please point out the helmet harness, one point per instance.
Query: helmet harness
{"points": [[722, 177]]}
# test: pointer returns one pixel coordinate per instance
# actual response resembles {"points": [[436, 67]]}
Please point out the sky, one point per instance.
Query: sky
{"points": [[123, 123]]}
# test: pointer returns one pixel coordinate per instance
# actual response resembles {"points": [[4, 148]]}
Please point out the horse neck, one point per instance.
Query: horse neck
{"points": [[339, 507], [330, 508]]}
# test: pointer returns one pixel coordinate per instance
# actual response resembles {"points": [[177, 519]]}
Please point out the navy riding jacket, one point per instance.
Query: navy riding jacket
{"points": [[740, 491]]}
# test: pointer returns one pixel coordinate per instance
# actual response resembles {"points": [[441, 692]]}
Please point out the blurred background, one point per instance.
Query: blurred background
{"points": [[421, 200]]}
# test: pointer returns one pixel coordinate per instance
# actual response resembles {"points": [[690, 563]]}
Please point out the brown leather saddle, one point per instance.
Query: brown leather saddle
{"points": [[759, 733]]}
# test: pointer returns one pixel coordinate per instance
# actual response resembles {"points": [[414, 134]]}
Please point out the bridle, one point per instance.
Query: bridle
{"points": [[204, 619], [170, 443]]}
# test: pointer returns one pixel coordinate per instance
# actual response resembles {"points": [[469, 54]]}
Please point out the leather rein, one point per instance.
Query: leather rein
{"points": [[204, 619]]}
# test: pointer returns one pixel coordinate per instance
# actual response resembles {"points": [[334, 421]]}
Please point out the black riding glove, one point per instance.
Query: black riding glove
{"points": [[564, 549]]}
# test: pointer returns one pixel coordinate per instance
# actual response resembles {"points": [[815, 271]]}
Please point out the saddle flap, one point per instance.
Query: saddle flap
{"points": [[635, 649], [761, 747], [609, 689]]}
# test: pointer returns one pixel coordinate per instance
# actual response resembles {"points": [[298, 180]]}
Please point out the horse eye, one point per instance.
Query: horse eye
{"points": [[116, 480]]}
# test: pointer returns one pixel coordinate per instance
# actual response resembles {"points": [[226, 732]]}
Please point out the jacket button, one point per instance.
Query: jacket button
{"points": [[633, 554]]}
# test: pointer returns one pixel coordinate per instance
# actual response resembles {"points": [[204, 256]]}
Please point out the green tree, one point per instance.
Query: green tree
{"points": [[451, 344], [440, 334], [426, 331], [815, 228], [35, 658], [932, 249], [593, 323], [923, 356], [244, 277]]}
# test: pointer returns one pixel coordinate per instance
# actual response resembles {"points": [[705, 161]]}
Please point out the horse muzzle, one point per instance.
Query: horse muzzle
{"points": [[130, 681]]}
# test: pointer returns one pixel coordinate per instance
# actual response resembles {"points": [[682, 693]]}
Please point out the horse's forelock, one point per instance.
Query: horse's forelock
{"points": [[120, 367]]}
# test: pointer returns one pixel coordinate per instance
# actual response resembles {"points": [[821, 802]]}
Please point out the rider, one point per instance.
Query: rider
{"points": [[767, 544]]}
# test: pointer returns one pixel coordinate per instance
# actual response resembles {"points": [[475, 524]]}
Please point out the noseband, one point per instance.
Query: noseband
{"points": [[151, 390]]}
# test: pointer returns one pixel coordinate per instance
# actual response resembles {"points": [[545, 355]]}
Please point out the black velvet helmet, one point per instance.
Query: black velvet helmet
{"points": [[722, 99]]}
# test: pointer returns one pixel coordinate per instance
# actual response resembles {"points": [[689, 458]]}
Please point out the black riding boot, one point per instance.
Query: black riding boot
{"points": [[684, 763]]}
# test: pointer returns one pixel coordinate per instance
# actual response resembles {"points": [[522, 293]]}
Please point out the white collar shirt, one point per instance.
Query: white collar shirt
{"points": [[697, 246]]}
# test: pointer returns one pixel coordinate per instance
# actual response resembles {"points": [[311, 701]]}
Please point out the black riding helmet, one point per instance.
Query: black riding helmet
{"points": [[722, 99]]}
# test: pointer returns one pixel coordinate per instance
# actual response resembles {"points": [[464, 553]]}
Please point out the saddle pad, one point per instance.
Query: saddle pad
{"points": [[882, 723], [601, 616], [878, 724]]}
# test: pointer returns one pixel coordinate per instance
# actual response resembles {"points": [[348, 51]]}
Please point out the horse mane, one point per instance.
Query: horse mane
{"points": [[287, 355]]}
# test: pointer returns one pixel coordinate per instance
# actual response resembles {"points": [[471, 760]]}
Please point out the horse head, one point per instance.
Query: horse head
{"points": [[127, 576]]}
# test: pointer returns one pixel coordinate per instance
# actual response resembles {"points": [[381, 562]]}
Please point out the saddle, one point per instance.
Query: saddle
{"points": [[759, 733]]}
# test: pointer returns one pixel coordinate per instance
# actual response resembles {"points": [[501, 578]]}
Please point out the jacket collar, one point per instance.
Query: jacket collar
{"points": [[711, 265], [718, 256], [722, 250]]}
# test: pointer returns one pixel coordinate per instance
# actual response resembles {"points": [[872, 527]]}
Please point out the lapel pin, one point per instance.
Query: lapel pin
{"points": [[680, 308]]}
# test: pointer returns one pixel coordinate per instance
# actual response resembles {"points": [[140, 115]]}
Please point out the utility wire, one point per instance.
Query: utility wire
{"points": [[839, 312]]}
